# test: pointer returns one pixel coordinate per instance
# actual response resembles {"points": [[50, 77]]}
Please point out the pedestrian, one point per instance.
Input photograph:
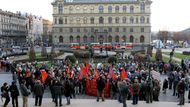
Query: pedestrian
{"points": [[149, 90], [15, 77], [156, 90], [181, 91], [136, 89], [38, 92], [165, 85], [67, 91], [100, 88], [189, 92], [124, 89], [14, 94], [25, 93], [58, 90], [5, 94]]}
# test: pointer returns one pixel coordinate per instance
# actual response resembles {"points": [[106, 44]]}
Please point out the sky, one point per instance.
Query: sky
{"points": [[171, 15]]}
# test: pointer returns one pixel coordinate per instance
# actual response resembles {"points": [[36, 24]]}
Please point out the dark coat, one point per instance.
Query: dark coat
{"points": [[67, 89], [58, 89], [24, 91], [38, 89], [100, 84], [165, 84], [14, 91]]}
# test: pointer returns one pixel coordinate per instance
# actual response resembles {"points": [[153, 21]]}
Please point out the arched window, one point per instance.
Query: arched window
{"points": [[60, 39], [92, 20], [131, 39], [110, 38], [131, 9], [142, 19], [142, 39], [101, 9], [85, 20], [117, 9], [92, 39], [71, 39], [142, 7], [110, 20], [101, 20], [60, 20], [117, 38], [110, 9], [78, 39], [131, 20], [124, 38], [124, 20], [85, 39], [117, 20], [60, 8], [148, 20], [124, 9]]}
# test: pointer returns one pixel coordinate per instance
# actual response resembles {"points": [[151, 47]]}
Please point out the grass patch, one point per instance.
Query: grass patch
{"points": [[178, 55], [165, 59]]}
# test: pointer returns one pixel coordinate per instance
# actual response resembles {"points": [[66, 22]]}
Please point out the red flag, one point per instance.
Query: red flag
{"points": [[68, 70], [123, 74], [87, 68], [44, 75], [111, 73]]}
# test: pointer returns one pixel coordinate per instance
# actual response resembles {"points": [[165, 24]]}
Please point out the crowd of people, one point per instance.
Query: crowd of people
{"points": [[128, 80]]}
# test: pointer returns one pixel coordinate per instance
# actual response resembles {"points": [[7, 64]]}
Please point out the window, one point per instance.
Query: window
{"points": [[55, 21], [124, 20], [60, 7], [110, 9], [61, 39], [142, 29], [110, 38], [137, 20], [85, 39], [131, 29], [71, 39], [78, 20], [65, 20], [92, 39], [78, 39], [131, 9], [117, 9], [101, 9], [117, 29], [85, 30], [142, 19], [85, 20], [77, 8], [117, 38], [131, 20], [117, 20], [124, 9], [109, 29], [124, 29], [60, 20], [148, 20], [124, 38], [142, 39], [142, 7], [101, 20], [92, 20], [78, 30], [110, 20], [60, 30], [92, 29], [71, 30], [131, 39]]}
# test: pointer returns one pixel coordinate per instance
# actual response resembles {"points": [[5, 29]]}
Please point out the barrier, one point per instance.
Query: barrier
{"points": [[91, 88]]}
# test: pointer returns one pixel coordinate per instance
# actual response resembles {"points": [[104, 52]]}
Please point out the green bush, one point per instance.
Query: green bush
{"points": [[32, 54], [71, 58], [112, 59]]}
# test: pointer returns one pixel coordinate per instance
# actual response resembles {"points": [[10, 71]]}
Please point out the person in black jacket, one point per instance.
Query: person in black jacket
{"points": [[100, 87], [5, 94], [58, 90], [14, 94], [67, 91], [38, 92]]}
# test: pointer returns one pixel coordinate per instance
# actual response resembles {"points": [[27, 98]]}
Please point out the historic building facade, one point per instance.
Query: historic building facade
{"points": [[115, 21], [12, 28], [47, 32]]}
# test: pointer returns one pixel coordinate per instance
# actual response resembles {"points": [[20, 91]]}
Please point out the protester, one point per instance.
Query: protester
{"points": [[5, 94], [165, 85], [181, 92], [58, 90], [136, 89], [14, 94], [38, 92], [100, 88], [124, 92], [67, 91], [25, 93]]}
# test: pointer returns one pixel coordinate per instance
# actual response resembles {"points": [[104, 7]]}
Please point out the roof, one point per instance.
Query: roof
{"points": [[99, 1]]}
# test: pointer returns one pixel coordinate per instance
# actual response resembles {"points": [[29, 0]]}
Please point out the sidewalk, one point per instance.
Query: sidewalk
{"points": [[47, 102]]}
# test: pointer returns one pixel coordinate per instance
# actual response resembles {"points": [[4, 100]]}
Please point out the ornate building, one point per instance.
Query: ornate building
{"points": [[12, 29], [47, 32], [115, 21]]}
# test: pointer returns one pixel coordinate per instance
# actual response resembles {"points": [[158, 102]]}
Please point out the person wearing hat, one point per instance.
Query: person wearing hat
{"points": [[14, 94], [38, 92]]}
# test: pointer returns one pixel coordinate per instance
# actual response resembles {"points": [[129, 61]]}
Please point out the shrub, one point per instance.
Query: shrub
{"points": [[186, 52], [112, 59], [71, 58]]}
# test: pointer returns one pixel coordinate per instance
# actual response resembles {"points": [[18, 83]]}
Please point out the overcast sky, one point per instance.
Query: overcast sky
{"points": [[172, 15]]}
